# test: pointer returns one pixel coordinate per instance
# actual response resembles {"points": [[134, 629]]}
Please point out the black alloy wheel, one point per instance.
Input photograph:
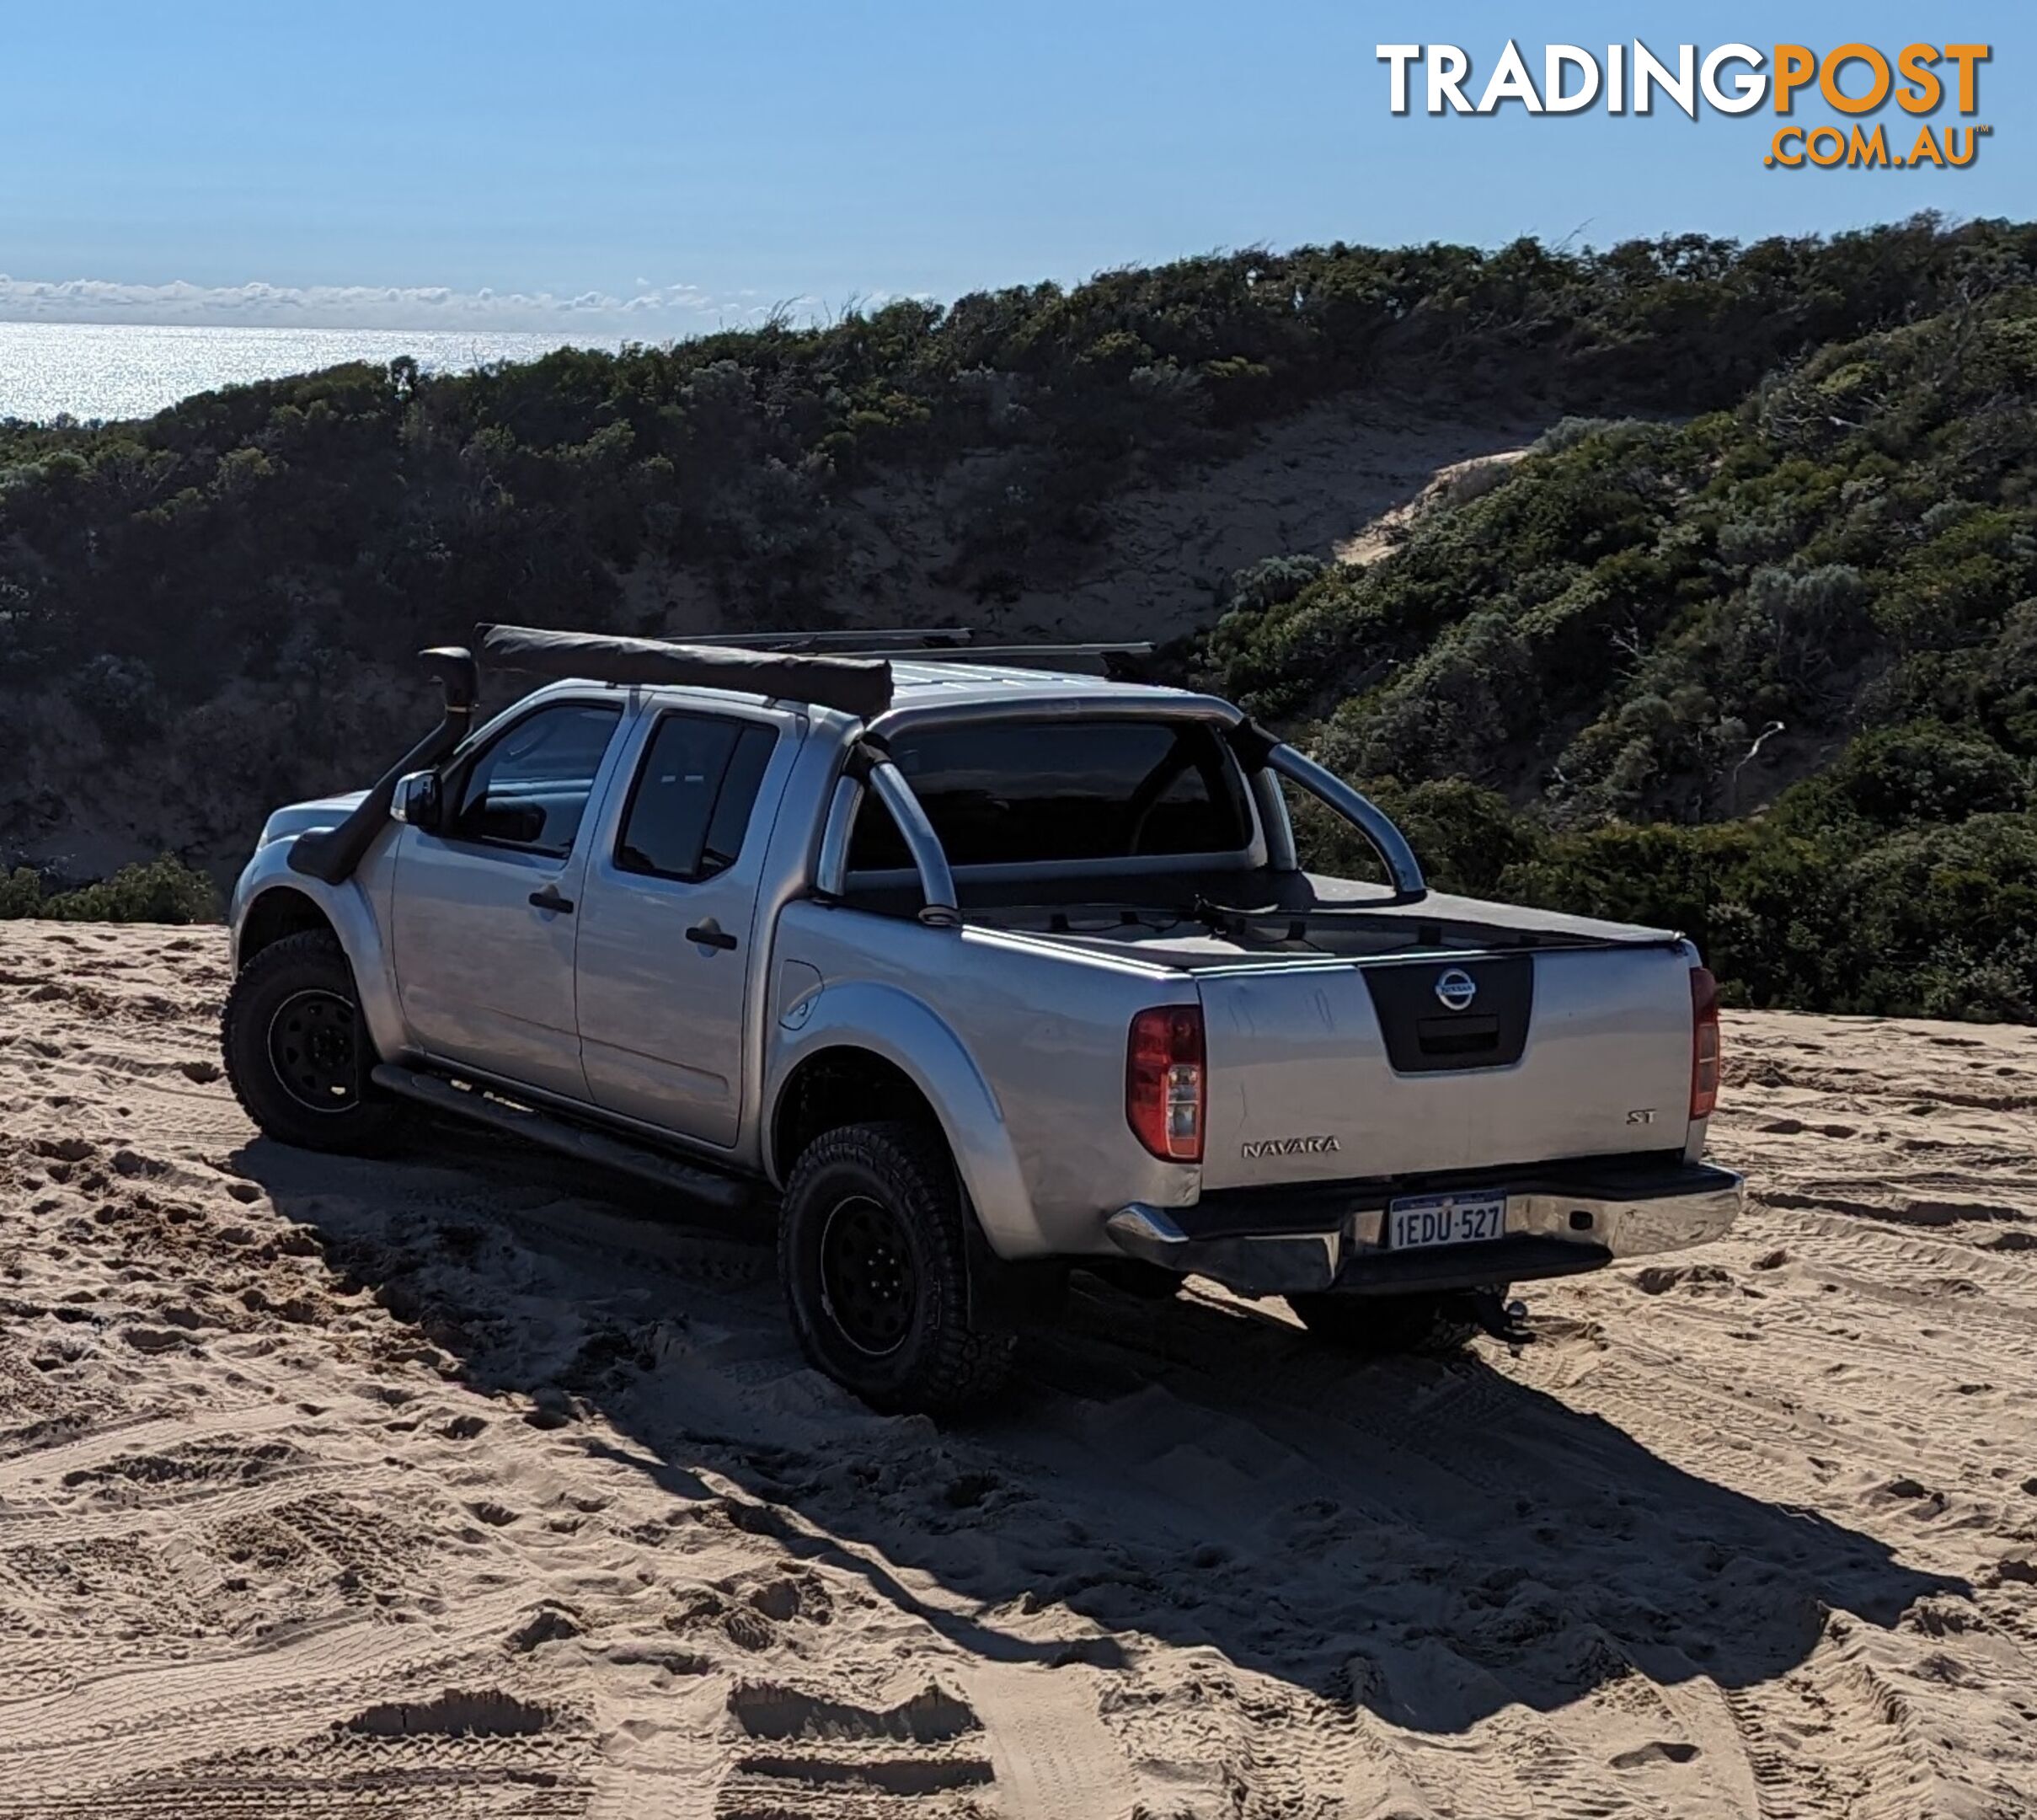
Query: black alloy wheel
{"points": [[298, 1052], [866, 1278], [312, 1049], [874, 1256]]}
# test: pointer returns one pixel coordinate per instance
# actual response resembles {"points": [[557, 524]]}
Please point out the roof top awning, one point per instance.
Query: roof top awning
{"points": [[859, 686]]}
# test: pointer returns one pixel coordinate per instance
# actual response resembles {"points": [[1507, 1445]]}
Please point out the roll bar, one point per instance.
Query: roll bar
{"points": [[1365, 815], [870, 771], [831, 869], [871, 767], [929, 858]]}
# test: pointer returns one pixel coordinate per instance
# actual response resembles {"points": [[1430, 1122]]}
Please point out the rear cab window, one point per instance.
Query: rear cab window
{"points": [[690, 805], [1028, 793]]}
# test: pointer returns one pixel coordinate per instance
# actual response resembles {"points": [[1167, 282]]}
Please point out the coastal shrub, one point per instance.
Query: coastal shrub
{"points": [[21, 892], [164, 890], [1924, 922], [1904, 776], [1643, 603], [391, 505], [118, 696], [1465, 837], [1745, 645]]}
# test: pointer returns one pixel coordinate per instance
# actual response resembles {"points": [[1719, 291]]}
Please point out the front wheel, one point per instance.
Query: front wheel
{"points": [[297, 1052], [872, 1258], [1434, 1326]]}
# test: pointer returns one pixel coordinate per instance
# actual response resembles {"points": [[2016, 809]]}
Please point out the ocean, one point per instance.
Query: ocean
{"points": [[114, 370]]}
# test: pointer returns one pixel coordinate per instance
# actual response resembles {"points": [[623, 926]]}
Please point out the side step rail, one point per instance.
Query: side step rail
{"points": [[604, 1151]]}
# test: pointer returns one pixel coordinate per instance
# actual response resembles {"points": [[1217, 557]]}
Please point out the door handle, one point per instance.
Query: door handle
{"points": [[549, 899], [708, 936]]}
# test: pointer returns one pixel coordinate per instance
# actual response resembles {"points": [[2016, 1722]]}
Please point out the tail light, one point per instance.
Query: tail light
{"points": [[1704, 1043], [1164, 1082]]}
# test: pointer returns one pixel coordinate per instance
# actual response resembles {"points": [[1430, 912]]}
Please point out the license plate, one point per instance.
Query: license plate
{"points": [[1417, 1220]]}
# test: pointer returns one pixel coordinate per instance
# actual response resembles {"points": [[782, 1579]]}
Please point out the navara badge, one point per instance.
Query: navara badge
{"points": [[1323, 1145], [1455, 989]]}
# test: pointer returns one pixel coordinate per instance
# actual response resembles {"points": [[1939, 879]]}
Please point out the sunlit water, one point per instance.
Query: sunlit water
{"points": [[112, 369]]}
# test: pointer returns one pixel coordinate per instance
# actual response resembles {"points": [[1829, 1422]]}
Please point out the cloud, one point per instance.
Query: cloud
{"points": [[652, 313]]}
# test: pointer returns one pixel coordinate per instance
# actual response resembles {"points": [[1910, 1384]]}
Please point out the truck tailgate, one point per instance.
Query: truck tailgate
{"points": [[1323, 1071]]}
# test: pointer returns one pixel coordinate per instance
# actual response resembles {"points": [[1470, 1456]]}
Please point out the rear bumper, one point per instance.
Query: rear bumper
{"points": [[1562, 1219]]}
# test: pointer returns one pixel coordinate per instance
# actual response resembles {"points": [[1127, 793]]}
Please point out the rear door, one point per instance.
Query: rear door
{"points": [[1325, 1071], [667, 939], [483, 919]]}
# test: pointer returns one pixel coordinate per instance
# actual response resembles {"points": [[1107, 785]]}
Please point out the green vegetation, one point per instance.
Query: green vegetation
{"points": [[1753, 651], [160, 891], [1566, 679], [285, 526]]}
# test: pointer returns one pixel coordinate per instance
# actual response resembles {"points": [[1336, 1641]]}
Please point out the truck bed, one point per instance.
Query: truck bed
{"points": [[1173, 920], [1336, 1050]]}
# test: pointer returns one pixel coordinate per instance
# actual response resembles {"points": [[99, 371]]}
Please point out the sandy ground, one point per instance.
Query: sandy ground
{"points": [[1457, 483], [453, 1485], [1339, 479]]}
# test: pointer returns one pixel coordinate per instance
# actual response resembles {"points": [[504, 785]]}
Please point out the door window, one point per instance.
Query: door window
{"points": [[689, 808], [529, 789]]}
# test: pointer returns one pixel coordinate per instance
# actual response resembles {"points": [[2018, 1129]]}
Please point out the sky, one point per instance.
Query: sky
{"points": [[668, 166]]}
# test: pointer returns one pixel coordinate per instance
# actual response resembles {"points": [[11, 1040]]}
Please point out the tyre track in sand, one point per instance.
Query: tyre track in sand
{"points": [[462, 1483]]}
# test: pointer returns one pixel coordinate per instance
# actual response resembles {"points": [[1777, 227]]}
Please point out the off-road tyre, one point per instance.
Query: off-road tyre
{"points": [[294, 997], [1431, 1326], [873, 1262]]}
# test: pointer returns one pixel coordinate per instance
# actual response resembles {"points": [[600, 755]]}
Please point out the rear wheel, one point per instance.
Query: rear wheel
{"points": [[872, 1258], [296, 1051], [1432, 1326]]}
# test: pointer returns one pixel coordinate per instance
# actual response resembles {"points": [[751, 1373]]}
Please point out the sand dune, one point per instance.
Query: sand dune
{"points": [[457, 1486], [1346, 476]]}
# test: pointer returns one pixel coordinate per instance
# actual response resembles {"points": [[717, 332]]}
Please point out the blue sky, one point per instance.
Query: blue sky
{"points": [[717, 159]]}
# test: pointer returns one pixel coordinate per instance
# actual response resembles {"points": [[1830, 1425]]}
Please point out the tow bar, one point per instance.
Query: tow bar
{"points": [[1505, 1321]]}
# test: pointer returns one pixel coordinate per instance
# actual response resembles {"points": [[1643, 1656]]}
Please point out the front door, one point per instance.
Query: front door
{"points": [[667, 939], [485, 906]]}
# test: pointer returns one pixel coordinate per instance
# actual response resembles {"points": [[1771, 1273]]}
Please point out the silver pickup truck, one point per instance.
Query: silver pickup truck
{"points": [[980, 973]]}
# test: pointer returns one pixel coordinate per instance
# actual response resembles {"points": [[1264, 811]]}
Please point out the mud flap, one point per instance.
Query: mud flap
{"points": [[1004, 1295]]}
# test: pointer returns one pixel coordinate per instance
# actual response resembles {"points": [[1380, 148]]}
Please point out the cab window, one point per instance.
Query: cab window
{"points": [[529, 787], [690, 807], [1029, 792]]}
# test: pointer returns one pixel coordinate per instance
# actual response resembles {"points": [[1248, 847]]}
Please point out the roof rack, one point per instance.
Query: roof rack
{"points": [[929, 644], [1024, 654], [838, 668], [837, 640]]}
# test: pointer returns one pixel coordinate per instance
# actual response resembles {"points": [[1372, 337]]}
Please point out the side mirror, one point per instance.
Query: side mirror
{"points": [[416, 802]]}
